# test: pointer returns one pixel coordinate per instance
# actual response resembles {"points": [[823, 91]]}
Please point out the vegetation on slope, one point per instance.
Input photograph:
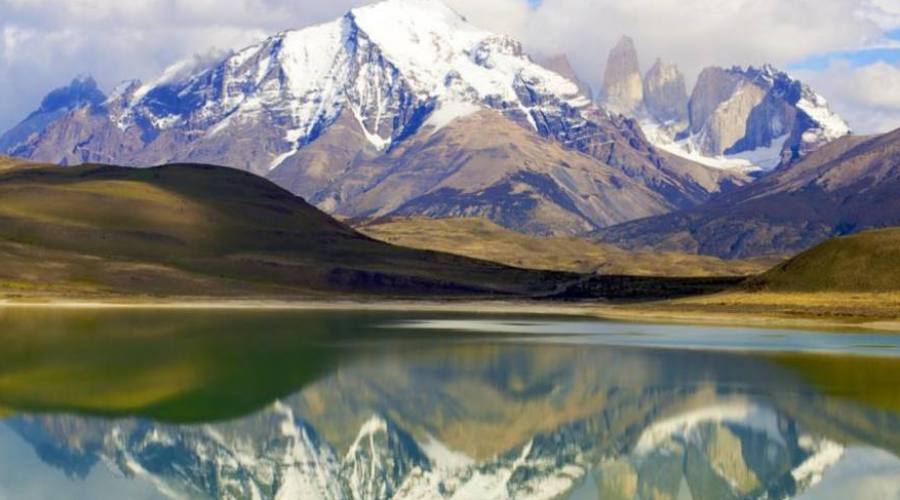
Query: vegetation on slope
{"points": [[482, 239], [203, 230], [864, 262], [845, 280]]}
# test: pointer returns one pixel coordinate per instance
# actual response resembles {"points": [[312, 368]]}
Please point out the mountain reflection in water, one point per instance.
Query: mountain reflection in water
{"points": [[281, 404]]}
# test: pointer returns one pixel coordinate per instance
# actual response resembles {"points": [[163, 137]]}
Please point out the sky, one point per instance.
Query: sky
{"points": [[848, 50]]}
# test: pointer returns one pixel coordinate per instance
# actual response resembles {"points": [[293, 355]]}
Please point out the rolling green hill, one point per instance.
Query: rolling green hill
{"points": [[208, 231], [864, 262]]}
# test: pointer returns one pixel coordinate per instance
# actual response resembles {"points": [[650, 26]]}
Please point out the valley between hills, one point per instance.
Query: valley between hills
{"points": [[203, 236]]}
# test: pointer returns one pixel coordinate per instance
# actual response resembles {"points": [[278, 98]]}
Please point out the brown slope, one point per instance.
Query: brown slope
{"points": [[485, 165], [90, 135], [620, 142], [864, 262], [481, 239], [202, 230], [489, 166], [334, 168], [9, 163], [847, 186], [481, 165]]}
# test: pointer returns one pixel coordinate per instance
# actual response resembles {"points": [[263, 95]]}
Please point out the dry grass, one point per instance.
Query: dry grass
{"points": [[483, 239], [167, 231], [864, 262], [826, 305]]}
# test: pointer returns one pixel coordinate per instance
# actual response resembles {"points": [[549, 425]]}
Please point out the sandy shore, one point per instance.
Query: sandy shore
{"points": [[642, 313]]}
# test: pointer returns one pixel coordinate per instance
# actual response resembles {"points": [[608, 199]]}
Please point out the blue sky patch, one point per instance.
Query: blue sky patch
{"points": [[856, 58]]}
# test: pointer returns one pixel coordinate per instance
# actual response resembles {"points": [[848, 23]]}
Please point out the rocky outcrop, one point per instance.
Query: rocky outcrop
{"points": [[739, 110], [665, 93], [736, 118], [80, 93], [714, 86], [727, 125], [623, 88]]}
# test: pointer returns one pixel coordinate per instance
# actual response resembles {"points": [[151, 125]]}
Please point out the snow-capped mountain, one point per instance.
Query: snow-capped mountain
{"points": [[737, 118], [332, 111], [392, 66], [752, 118], [81, 92]]}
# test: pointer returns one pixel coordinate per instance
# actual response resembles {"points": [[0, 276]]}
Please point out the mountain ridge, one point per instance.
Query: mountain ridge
{"points": [[383, 74], [844, 187], [743, 118]]}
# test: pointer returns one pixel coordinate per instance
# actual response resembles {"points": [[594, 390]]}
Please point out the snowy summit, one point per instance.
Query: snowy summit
{"points": [[395, 65]]}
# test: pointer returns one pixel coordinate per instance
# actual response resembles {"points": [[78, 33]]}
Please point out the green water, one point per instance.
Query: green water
{"points": [[342, 404]]}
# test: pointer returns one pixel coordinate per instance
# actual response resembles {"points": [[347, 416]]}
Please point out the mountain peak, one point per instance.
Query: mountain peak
{"points": [[397, 8], [623, 89], [339, 111], [625, 42], [82, 90], [665, 93], [420, 54]]}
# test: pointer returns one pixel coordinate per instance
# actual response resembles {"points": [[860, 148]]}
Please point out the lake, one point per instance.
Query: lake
{"points": [[156, 403]]}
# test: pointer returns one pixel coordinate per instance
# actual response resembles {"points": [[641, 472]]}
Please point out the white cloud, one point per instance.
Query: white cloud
{"points": [[46, 42], [868, 96], [699, 33], [694, 33], [885, 13]]}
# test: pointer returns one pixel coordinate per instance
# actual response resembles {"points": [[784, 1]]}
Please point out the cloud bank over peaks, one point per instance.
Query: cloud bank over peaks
{"points": [[43, 43]]}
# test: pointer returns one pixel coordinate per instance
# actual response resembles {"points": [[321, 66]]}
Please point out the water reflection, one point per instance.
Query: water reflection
{"points": [[337, 405]]}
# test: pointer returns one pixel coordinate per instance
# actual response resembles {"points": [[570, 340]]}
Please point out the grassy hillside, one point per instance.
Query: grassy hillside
{"points": [[202, 230], [851, 279], [865, 262], [482, 239]]}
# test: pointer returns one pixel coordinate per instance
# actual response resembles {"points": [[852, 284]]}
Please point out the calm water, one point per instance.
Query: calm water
{"points": [[269, 404]]}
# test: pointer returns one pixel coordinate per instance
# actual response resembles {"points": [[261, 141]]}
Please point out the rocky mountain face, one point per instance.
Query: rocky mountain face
{"points": [[735, 118], [506, 174], [665, 93], [623, 88], [81, 92], [846, 186], [348, 113], [739, 110]]}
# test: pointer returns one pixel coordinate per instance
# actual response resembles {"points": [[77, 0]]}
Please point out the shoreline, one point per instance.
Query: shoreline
{"points": [[667, 313]]}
